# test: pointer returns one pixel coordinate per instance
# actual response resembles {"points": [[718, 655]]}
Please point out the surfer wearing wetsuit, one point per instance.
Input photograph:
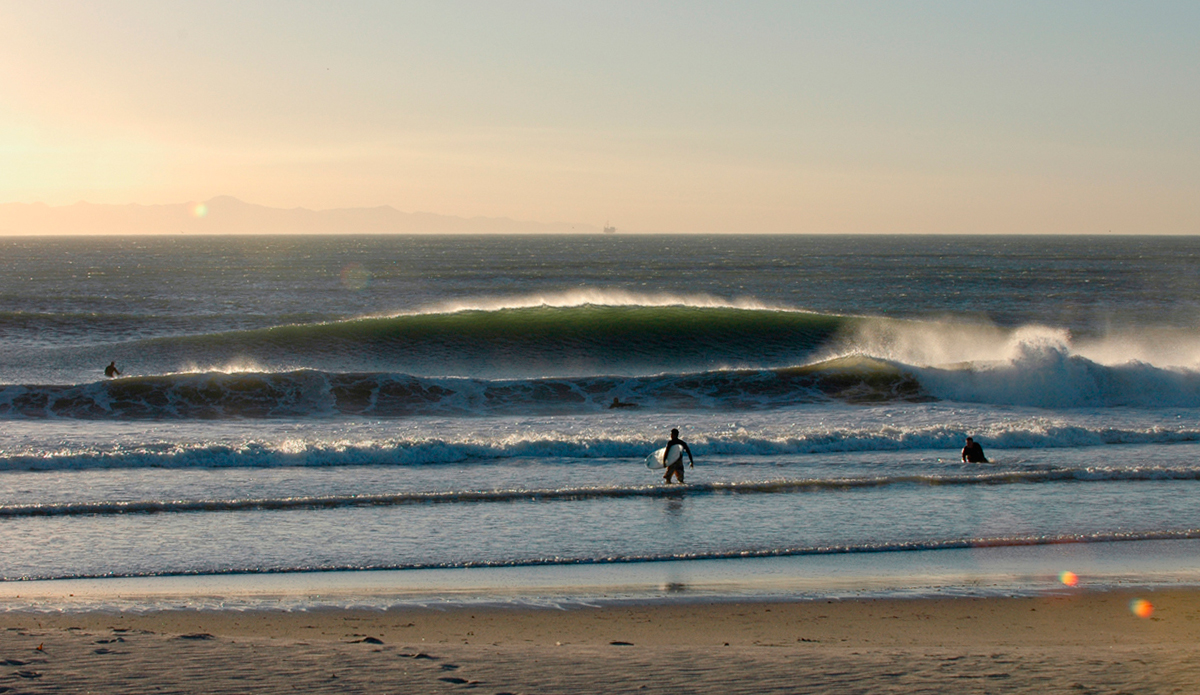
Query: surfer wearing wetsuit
{"points": [[111, 370], [973, 453], [676, 469]]}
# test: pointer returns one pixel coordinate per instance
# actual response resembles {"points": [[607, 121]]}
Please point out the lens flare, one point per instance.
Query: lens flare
{"points": [[355, 277], [1141, 607], [199, 210], [1068, 578]]}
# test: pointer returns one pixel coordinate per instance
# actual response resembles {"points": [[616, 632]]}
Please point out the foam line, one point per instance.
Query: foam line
{"points": [[585, 493]]}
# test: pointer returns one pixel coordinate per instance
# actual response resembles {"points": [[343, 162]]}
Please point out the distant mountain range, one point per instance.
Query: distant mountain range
{"points": [[227, 215]]}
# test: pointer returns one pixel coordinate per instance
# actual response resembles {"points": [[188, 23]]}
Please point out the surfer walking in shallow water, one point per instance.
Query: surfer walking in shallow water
{"points": [[675, 468]]}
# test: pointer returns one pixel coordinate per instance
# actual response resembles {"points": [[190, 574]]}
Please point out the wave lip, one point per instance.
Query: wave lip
{"points": [[598, 297]]}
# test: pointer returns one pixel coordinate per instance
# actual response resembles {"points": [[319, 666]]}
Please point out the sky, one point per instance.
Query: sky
{"points": [[741, 117]]}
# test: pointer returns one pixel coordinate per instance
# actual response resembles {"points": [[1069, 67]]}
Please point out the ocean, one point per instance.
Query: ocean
{"points": [[352, 420]]}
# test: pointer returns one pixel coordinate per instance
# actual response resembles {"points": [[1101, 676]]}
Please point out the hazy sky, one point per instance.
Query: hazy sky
{"points": [[697, 116]]}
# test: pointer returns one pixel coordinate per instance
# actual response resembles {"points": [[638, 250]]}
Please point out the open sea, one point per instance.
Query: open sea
{"points": [[360, 420]]}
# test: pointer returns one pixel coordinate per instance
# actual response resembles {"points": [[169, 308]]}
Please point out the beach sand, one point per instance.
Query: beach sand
{"points": [[1081, 643]]}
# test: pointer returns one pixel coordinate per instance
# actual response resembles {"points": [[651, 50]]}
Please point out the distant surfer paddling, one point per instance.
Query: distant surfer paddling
{"points": [[973, 453], [111, 370], [675, 468], [618, 404]]}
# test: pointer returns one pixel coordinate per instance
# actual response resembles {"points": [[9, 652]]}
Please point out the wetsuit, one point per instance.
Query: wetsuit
{"points": [[973, 453], [676, 469]]}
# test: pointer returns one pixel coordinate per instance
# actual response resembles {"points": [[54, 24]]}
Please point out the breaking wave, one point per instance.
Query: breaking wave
{"points": [[1028, 434], [562, 354], [217, 395]]}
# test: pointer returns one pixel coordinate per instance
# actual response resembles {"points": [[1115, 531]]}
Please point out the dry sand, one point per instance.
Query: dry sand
{"points": [[1084, 643]]}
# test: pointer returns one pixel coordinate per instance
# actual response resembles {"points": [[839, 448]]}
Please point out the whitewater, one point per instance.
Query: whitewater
{"points": [[381, 404]]}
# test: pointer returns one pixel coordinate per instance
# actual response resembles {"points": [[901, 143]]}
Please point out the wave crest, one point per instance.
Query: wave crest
{"points": [[595, 296]]}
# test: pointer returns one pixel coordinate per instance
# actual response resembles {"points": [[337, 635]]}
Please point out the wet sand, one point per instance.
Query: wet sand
{"points": [[1086, 642]]}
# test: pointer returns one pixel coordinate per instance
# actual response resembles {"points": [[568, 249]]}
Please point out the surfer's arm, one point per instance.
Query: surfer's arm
{"points": [[691, 461]]}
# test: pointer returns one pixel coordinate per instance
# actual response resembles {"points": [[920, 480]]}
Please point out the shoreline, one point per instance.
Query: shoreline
{"points": [[1003, 622], [1091, 641], [1060, 569], [1085, 618]]}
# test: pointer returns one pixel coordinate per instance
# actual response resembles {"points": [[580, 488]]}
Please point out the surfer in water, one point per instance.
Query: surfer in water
{"points": [[676, 469], [111, 370], [973, 453], [618, 404]]}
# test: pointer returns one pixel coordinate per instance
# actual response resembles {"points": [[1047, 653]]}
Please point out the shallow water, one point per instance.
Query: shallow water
{"points": [[300, 404]]}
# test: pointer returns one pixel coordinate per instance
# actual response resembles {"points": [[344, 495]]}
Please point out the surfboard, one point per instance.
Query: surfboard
{"points": [[655, 460]]}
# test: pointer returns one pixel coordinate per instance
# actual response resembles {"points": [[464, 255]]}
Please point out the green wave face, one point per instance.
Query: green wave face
{"points": [[525, 342]]}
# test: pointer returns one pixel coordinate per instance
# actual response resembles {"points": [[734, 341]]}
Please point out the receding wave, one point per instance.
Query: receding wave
{"points": [[765, 487], [790, 551]]}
